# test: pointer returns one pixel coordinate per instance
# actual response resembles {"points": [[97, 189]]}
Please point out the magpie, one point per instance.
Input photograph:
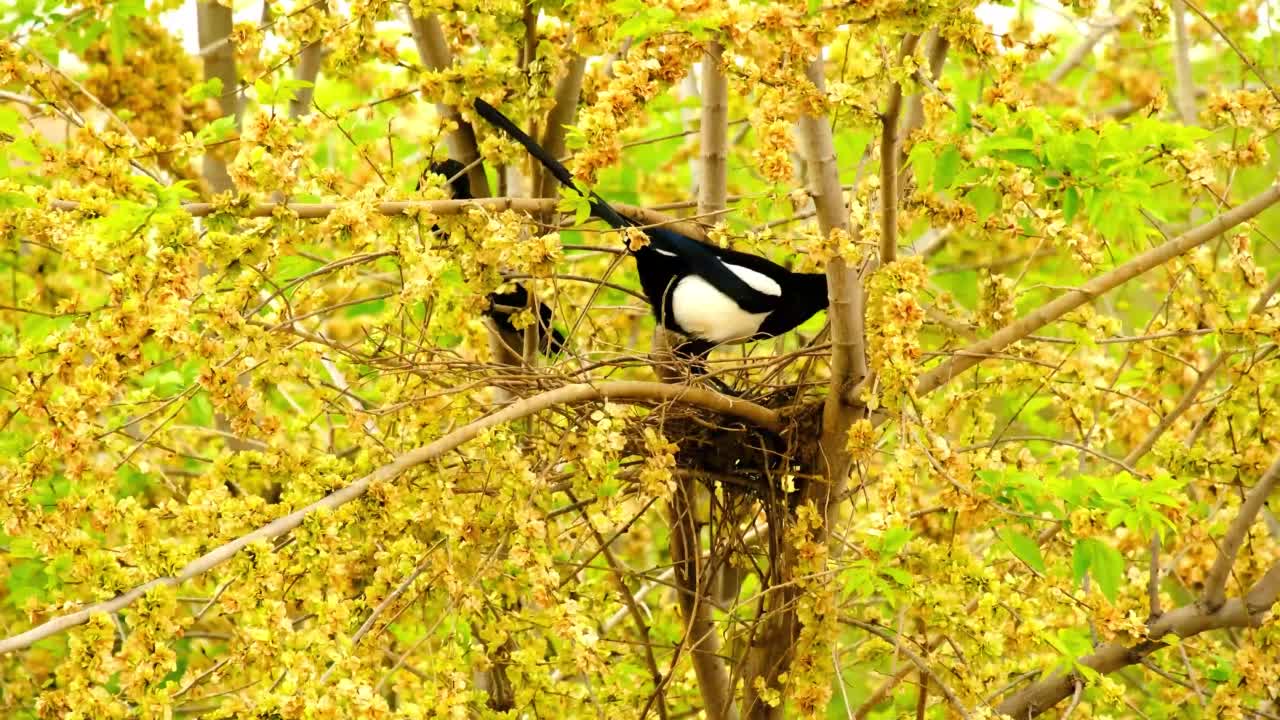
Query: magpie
{"points": [[708, 294], [501, 305]]}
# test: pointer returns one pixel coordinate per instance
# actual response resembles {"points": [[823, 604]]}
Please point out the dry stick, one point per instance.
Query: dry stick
{"points": [[435, 54], [1215, 585], [889, 161], [533, 206], [619, 391], [1185, 91], [1049, 312], [1186, 621], [213, 24]]}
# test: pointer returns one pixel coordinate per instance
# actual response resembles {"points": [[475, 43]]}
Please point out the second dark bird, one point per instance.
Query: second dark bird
{"points": [[501, 305]]}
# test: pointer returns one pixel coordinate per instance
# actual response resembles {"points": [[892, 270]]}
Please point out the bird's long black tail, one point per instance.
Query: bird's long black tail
{"points": [[599, 207]]}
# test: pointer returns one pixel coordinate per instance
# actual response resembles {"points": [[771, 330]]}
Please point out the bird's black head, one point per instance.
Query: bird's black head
{"points": [[452, 171]]}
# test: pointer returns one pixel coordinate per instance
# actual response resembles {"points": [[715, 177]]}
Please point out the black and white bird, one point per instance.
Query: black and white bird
{"points": [[501, 305], [708, 294]]}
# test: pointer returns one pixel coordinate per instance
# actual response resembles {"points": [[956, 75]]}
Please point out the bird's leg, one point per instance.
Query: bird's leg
{"points": [[695, 352]]}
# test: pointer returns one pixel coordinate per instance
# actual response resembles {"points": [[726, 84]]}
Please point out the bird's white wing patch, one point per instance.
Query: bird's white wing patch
{"points": [[660, 251], [705, 312], [758, 281]]}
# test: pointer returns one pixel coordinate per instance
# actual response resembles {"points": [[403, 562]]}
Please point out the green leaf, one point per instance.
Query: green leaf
{"points": [[947, 166], [10, 120], [1025, 549], [1081, 559], [1070, 204], [217, 130], [206, 90], [369, 307], [984, 199], [894, 539], [923, 161], [1107, 569]]}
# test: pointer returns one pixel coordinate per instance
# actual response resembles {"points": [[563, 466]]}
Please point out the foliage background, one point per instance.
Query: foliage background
{"points": [[168, 387]]}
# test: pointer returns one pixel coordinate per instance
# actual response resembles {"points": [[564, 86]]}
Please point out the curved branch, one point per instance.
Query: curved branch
{"points": [[1076, 297], [622, 391]]}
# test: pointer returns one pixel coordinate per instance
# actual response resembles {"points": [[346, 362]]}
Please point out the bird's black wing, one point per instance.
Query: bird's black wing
{"points": [[702, 261]]}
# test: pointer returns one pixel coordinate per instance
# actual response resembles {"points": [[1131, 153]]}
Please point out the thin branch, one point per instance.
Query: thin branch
{"points": [[1076, 297], [620, 391], [1244, 58], [1202, 380], [916, 660], [1215, 585]]}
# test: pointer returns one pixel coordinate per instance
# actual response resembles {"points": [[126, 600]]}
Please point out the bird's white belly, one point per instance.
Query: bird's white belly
{"points": [[705, 312]]}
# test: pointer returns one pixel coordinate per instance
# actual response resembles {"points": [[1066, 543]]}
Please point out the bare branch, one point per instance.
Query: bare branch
{"points": [[434, 50], [308, 70], [700, 631], [1055, 309], [620, 391], [1215, 585]]}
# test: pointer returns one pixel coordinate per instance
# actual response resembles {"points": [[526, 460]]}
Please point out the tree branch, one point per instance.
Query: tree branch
{"points": [[889, 161], [1215, 585], [434, 51], [1082, 50], [1184, 622], [620, 391], [213, 28], [562, 114], [533, 206], [1055, 309], [1185, 94], [713, 186]]}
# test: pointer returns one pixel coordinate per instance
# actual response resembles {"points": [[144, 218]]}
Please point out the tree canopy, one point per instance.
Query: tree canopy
{"points": [[262, 455]]}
